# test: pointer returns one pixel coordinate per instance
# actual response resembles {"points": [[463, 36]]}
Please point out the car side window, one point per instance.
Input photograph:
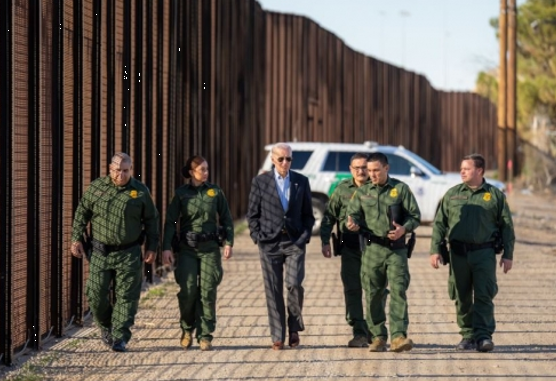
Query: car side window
{"points": [[300, 159], [398, 165], [337, 161]]}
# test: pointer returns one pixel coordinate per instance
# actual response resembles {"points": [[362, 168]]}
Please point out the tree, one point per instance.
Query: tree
{"points": [[536, 62], [536, 89]]}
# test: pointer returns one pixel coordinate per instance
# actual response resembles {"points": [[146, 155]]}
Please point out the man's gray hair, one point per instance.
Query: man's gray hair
{"points": [[122, 157], [283, 146]]}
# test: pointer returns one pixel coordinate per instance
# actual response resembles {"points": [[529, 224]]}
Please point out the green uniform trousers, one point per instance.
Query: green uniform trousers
{"points": [[353, 291], [125, 270], [472, 284], [198, 273], [382, 267]]}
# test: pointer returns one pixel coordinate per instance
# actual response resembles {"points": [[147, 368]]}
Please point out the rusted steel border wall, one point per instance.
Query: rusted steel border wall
{"points": [[162, 80]]}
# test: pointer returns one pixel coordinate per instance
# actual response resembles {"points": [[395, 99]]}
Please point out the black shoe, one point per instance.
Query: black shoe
{"points": [[106, 336], [485, 345], [466, 345], [119, 346]]}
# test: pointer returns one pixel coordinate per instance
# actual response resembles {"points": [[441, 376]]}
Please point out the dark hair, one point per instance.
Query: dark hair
{"points": [[191, 163], [478, 160], [359, 155], [380, 157]]}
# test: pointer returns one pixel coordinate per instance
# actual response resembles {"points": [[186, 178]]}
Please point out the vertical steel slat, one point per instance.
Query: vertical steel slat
{"points": [[126, 73], [138, 91], [110, 84], [160, 109], [57, 113], [147, 177], [6, 174], [33, 174], [76, 283], [97, 90]]}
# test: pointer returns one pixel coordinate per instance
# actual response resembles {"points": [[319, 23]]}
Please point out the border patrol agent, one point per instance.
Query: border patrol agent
{"points": [[476, 219], [120, 211], [201, 208], [347, 246], [385, 259]]}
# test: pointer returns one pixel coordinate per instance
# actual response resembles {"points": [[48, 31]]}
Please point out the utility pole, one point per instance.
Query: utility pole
{"points": [[502, 109], [511, 116]]}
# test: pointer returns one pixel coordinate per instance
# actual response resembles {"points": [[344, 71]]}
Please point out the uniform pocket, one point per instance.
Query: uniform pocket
{"points": [[368, 200]]}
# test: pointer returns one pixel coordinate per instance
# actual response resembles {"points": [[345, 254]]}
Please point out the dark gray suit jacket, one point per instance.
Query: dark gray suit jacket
{"points": [[266, 215]]}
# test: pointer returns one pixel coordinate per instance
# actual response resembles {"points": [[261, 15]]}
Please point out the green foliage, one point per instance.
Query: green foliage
{"points": [[487, 86], [536, 62], [536, 90]]}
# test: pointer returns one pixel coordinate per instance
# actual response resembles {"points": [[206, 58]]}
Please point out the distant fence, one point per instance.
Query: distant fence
{"points": [[319, 89], [164, 79]]}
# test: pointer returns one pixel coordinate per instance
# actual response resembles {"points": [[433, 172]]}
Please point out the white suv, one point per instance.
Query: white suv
{"points": [[326, 164]]}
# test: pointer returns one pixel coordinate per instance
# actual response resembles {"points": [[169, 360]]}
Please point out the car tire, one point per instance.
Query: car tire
{"points": [[318, 213]]}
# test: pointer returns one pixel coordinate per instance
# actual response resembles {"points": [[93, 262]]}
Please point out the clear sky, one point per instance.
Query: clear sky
{"points": [[448, 41]]}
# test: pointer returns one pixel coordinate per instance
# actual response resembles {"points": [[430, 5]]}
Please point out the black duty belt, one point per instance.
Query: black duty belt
{"points": [[201, 237], [462, 247], [399, 244]]}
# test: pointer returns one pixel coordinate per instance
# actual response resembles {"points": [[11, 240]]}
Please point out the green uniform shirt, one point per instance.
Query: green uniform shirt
{"points": [[336, 210], [199, 209], [473, 216], [370, 202], [117, 214]]}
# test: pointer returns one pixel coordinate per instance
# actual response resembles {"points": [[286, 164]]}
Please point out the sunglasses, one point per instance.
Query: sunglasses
{"points": [[363, 169], [281, 159]]}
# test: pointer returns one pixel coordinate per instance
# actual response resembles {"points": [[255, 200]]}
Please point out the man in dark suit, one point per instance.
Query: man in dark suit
{"points": [[281, 220]]}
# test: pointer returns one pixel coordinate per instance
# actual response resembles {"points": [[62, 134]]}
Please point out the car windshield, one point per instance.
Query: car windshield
{"points": [[424, 163]]}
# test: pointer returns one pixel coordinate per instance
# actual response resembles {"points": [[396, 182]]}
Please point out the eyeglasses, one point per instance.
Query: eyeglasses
{"points": [[281, 159], [362, 169]]}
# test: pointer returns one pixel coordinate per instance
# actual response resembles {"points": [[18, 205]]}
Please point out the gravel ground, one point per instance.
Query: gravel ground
{"points": [[525, 337]]}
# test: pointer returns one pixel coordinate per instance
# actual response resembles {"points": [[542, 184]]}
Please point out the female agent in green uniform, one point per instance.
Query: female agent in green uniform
{"points": [[196, 211]]}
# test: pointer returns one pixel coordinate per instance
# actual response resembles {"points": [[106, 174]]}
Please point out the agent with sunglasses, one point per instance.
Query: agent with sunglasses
{"points": [[280, 216], [349, 249]]}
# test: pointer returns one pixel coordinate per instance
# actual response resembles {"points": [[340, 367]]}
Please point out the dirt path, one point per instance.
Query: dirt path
{"points": [[525, 336]]}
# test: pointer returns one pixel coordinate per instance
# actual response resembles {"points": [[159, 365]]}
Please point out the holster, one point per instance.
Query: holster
{"points": [[221, 233], [175, 242], [444, 252], [336, 244], [87, 245], [411, 244], [498, 244]]}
